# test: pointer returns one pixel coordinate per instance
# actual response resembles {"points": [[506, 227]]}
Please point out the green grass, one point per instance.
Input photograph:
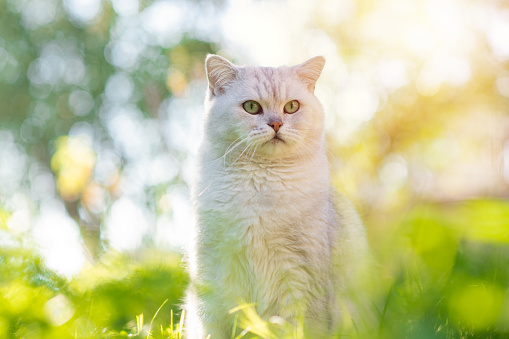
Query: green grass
{"points": [[173, 331], [442, 272]]}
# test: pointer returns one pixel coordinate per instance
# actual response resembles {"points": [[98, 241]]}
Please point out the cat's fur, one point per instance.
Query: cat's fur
{"points": [[270, 229]]}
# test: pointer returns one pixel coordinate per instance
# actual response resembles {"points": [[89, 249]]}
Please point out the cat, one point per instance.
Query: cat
{"points": [[270, 228]]}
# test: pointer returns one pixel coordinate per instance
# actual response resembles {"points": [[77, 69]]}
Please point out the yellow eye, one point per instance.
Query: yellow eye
{"points": [[291, 107], [252, 107]]}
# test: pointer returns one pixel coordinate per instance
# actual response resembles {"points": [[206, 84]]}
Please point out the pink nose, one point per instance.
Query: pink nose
{"points": [[276, 125]]}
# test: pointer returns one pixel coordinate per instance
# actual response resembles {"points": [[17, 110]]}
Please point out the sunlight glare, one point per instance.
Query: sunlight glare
{"points": [[175, 224], [21, 219], [503, 85], [13, 164], [126, 225], [333, 12], [35, 14], [268, 42], [392, 73], [498, 33], [59, 239], [125, 7], [166, 21], [355, 105], [83, 10]]}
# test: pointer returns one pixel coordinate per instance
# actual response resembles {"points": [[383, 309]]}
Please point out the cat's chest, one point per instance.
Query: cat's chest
{"points": [[249, 201], [260, 178], [261, 223], [258, 190]]}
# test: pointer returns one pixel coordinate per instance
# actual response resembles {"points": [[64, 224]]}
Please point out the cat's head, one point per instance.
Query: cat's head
{"points": [[263, 111]]}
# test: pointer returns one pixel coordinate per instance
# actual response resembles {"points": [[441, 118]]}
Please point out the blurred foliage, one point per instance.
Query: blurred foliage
{"points": [[102, 302], [72, 163], [72, 84], [447, 281]]}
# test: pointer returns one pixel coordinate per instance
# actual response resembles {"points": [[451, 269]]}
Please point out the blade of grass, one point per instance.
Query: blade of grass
{"points": [[181, 323], [139, 323], [243, 333], [155, 315], [384, 311], [171, 321], [234, 326], [377, 310], [254, 322], [241, 307]]}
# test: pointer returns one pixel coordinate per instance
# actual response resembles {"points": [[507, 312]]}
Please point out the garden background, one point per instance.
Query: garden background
{"points": [[101, 103]]}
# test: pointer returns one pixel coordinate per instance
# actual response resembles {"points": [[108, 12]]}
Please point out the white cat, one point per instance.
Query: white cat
{"points": [[270, 229]]}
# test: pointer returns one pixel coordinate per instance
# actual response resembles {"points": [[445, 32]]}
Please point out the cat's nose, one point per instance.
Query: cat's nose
{"points": [[276, 125]]}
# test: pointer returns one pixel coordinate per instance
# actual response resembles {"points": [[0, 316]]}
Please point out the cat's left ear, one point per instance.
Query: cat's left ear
{"points": [[220, 73], [310, 71]]}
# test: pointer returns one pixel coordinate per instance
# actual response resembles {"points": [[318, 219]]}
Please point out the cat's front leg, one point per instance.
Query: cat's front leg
{"points": [[214, 329], [300, 302], [292, 302], [213, 326], [205, 318], [216, 320]]}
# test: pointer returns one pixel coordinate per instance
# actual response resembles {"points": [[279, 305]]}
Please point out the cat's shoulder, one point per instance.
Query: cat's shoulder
{"points": [[351, 233], [345, 210]]}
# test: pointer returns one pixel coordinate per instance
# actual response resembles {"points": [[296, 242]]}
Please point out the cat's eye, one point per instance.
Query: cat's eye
{"points": [[291, 106], [252, 107]]}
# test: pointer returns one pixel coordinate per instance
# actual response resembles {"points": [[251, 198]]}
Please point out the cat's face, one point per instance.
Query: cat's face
{"points": [[263, 112]]}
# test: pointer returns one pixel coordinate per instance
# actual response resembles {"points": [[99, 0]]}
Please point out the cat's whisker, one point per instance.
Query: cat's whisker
{"points": [[206, 165], [322, 169], [306, 148], [254, 151], [245, 149], [305, 155], [234, 141], [309, 152], [206, 188], [233, 148], [228, 150], [299, 154], [329, 153]]}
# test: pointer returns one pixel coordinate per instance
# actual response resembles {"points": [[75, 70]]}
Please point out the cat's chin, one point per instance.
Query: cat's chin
{"points": [[276, 144], [276, 140], [269, 142], [276, 148]]}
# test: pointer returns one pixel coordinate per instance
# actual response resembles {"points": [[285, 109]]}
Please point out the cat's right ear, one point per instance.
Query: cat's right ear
{"points": [[220, 73], [310, 71]]}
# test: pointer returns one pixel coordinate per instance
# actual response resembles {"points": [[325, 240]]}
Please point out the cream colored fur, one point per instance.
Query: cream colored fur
{"points": [[270, 229]]}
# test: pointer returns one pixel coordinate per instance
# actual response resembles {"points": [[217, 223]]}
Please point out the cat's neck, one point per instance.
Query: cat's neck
{"points": [[299, 168], [296, 161], [311, 155]]}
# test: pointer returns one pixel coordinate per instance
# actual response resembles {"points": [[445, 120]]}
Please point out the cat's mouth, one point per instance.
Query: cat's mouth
{"points": [[277, 139]]}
